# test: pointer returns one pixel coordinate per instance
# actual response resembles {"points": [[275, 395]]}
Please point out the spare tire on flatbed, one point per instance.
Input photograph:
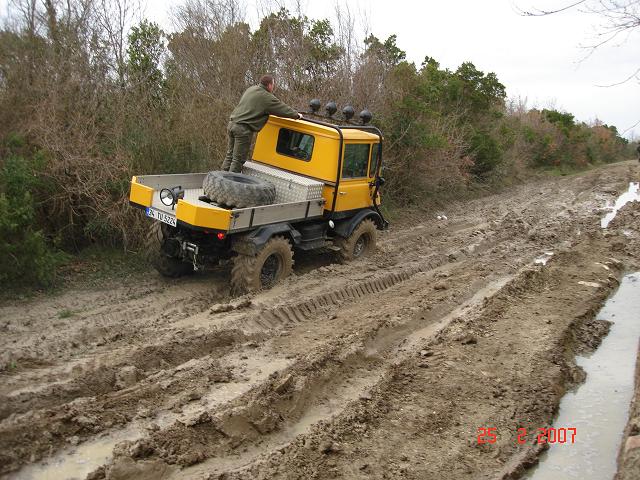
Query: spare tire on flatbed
{"points": [[238, 190]]}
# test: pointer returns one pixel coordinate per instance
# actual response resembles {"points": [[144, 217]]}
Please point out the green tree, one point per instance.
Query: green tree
{"points": [[324, 53], [479, 93], [144, 57], [302, 53], [564, 120], [386, 52]]}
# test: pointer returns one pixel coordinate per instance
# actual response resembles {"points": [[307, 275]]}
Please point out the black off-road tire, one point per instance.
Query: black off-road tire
{"points": [[167, 266], [238, 190], [360, 243], [254, 272]]}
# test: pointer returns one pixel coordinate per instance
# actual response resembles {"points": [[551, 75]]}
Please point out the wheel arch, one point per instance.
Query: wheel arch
{"points": [[344, 228], [251, 243]]}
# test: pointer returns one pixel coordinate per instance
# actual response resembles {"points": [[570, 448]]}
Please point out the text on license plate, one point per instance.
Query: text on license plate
{"points": [[163, 217]]}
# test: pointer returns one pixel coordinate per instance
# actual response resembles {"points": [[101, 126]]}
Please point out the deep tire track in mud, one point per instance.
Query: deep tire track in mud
{"points": [[448, 328]]}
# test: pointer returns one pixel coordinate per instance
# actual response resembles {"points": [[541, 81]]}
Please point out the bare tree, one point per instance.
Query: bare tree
{"points": [[621, 18], [115, 18]]}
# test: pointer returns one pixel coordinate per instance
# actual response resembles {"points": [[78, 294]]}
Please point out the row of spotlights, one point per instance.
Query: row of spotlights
{"points": [[348, 112]]}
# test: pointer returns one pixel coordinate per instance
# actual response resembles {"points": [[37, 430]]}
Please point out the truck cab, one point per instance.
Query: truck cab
{"points": [[348, 157]]}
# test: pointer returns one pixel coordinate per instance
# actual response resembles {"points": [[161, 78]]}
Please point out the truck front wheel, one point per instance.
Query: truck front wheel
{"points": [[155, 248], [263, 270], [360, 243]]}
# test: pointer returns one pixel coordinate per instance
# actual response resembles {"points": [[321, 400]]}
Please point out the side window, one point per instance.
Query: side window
{"points": [[356, 159], [374, 160], [294, 144]]}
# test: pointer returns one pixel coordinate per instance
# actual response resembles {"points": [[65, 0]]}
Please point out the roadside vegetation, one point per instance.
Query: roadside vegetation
{"points": [[90, 95]]}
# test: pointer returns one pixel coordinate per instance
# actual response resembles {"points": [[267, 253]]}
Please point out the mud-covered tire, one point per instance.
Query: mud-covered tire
{"points": [[360, 243], [238, 190], [165, 265], [256, 272]]}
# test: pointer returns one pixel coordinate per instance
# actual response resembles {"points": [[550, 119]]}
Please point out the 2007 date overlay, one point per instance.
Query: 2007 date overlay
{"points": [[489, 435]]}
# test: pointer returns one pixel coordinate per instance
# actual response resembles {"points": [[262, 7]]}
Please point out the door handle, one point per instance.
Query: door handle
{"points": [[342, 193]]}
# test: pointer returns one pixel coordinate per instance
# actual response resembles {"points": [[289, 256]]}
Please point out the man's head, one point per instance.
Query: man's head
{"points": [[267, 82]]}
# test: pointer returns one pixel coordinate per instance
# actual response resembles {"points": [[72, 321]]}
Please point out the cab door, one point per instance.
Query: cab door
{"points": [[354, 191]]}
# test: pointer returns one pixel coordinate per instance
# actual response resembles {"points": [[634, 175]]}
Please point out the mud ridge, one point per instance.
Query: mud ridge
{"points": [[96, 401], [107, 327], [293, 313], [270, 415]]}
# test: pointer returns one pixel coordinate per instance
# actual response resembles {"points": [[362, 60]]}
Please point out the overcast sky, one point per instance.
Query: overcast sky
{"points": [[535, 58]]}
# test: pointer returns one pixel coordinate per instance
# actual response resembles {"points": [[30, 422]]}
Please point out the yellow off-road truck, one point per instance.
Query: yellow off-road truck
{"points": [[312, 183]]}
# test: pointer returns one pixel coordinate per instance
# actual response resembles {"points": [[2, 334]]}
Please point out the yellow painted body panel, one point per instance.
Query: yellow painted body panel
{"points": [[354, 194], [316, 129], [140, 194], [210, 217], [323, 165]]}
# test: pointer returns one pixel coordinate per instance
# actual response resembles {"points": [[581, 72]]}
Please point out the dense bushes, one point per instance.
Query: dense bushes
{"points": [[555, 140], [102, 104], [26, 255]]}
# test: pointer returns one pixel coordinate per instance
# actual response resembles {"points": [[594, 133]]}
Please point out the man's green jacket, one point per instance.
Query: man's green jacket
{"points": [[256, 104]]}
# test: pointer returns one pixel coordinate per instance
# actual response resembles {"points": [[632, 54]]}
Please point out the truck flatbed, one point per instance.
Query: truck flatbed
{"points": [[190, 210]]}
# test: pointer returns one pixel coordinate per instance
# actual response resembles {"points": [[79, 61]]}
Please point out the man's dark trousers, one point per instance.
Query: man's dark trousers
{"points": [[240, 137]]}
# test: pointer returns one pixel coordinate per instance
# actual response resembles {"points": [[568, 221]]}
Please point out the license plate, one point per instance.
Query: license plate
{"points": [[163, 217]]}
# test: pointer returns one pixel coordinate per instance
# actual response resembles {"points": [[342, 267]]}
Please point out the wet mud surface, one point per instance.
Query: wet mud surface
{"points": [[381, 368]]}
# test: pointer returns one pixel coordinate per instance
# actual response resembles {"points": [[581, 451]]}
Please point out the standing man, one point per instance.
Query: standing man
{"points": [[256, 104]]}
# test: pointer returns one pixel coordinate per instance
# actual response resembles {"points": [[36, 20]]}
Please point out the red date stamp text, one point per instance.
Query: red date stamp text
{"points": [[489, 435]]}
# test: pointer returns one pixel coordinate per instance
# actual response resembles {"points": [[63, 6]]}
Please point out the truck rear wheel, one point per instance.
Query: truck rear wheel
{"points": [[360, 243], [256, 272], [155, 250]]}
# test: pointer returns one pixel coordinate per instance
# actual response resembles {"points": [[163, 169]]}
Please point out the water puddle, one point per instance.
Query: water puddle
{"points": [[77, 462], [631, 195], [543, 259], [598, 409]]}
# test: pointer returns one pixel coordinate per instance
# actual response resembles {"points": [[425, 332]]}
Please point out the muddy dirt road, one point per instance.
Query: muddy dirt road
{"points": [[384, 368]]}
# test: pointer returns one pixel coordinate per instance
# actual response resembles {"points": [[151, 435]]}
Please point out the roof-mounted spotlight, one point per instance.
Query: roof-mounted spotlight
{"points": [[315, 105], [365, 116], [331, 108], [348, 112]]}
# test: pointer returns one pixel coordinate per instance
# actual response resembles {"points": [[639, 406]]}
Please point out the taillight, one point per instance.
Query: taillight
{"points": [[220, 236]]}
